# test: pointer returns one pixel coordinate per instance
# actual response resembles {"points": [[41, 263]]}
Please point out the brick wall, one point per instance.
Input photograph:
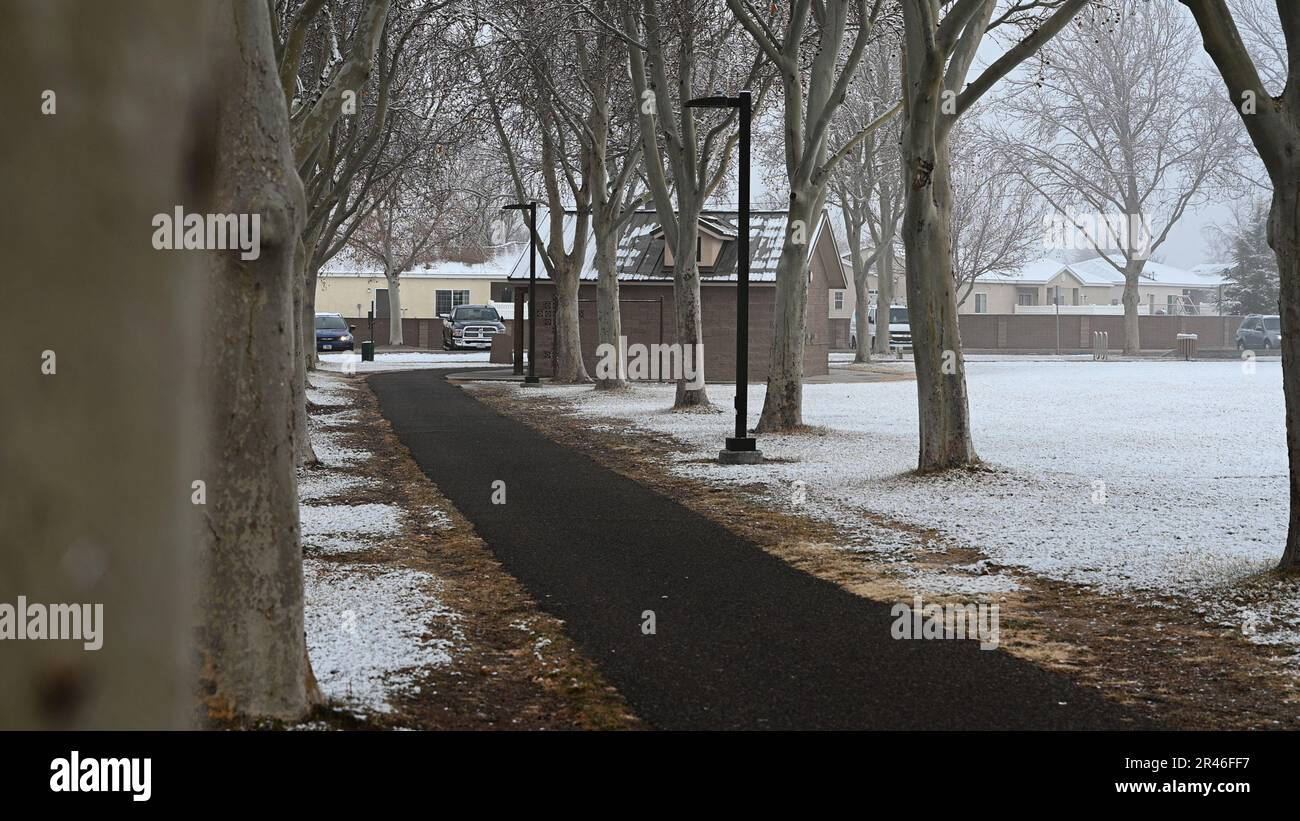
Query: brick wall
{"points": [[1038, 332], [640, 311]]}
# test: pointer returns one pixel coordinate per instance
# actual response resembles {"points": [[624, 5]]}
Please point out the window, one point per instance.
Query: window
{"points": [[1074, 297], [444, 301], [476, 314], [981, 303], [699, 248], [839, 300], [1026, 296]]}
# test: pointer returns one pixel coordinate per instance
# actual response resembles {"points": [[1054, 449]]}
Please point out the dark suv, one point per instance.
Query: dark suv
{"points": [[1260, 331], [333, 333], [471, 326]]}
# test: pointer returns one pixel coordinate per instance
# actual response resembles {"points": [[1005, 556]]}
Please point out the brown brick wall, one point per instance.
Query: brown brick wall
{"points": [[640, 311], [1038, 331]]}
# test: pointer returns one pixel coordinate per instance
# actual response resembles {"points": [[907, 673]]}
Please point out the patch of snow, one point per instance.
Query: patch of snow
{"points": [[354, 520], [333, 454], [367, 631], [320, 484]]}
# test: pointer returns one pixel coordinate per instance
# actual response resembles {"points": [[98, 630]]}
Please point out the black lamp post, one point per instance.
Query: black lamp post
{"points": [[741, 448], [531, 208]]}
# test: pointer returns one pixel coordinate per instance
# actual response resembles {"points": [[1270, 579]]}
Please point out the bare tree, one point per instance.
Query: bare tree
{"points": [[664, 39], [317, 94], [941, 39], [1118, 124], [996, 217], [866, 185], [254, 655], [541, 64], [400, 231], [815, 73], [1273, 123]]}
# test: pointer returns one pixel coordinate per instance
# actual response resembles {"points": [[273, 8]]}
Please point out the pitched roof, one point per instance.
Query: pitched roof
{"points": [[1097, 272], [640, 252]]}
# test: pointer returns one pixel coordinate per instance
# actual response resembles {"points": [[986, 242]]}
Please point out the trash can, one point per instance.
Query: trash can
{"points": [[1187, 346], [368, 351]]}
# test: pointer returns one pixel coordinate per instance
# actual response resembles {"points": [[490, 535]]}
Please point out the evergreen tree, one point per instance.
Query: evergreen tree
{"points": [[1253, 281]]}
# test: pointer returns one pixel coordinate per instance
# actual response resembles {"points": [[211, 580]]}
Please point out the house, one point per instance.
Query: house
{"points": [[645, 271], [1094, 286], [345, 286]]}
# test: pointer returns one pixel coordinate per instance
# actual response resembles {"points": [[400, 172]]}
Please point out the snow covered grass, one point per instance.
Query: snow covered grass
{"points": [[367, 629], [370, 626], [361, 520], [320, 485], [333, 454], [1168, 477]]}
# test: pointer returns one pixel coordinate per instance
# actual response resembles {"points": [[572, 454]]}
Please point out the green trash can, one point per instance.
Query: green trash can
{"points": [[368, 351]]}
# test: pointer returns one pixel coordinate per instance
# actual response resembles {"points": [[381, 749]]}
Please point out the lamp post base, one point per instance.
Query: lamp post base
{"points": [[741, 451], [740, 457], [532, 380]]}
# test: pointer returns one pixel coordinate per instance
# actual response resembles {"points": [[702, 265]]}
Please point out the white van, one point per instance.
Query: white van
{"points": [[900, 331]]}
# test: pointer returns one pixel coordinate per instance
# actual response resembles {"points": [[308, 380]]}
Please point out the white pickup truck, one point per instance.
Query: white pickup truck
{"points": [[900, 331]]}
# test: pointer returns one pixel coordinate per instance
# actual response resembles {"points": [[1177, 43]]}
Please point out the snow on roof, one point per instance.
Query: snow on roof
{"points": [[1213, 268], [640, 252], [1097, 272], [494, 268], [1037, 272]]}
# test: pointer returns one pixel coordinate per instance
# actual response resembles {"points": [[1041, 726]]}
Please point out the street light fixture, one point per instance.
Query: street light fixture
{"points": [[531, 208], [741, 448]]}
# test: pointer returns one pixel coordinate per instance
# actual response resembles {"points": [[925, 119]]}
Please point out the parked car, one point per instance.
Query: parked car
{"points": [[333, 333], [1260, 332], [900, 332], [471, 326]]}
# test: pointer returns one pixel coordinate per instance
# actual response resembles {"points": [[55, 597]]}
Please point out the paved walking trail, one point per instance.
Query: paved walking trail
{"points": [[743, 640]]}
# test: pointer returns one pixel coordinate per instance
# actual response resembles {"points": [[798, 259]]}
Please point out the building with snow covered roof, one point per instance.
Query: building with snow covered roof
{"points": [[348, 287], [1095, 286], [645, 271]]}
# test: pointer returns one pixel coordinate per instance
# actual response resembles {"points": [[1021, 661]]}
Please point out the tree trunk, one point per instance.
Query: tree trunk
{"points": [[609, 321], [1284, 238], [304, 453], [394, 307], [252, 645], [98, 440], [569, 367], [1131, 298], [861, 300], [783, 404], [884, 299], [307, 272], [942, 407], [686, 299]]}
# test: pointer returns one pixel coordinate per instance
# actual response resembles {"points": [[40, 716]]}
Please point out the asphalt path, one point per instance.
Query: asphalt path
{"points": [[742, 640]]}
